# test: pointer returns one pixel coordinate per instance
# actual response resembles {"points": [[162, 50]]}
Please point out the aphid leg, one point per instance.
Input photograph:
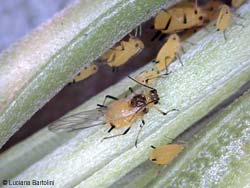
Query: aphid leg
{"points": [[111, 128], [125, 132], [104, 101], [179, 58], [164, 113], [153, 147], [131, 90], [141, 126]]}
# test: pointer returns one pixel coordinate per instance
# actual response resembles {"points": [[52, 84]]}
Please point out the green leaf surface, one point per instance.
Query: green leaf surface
{"points": [[213, 70], [218, 157], [34, 69]]}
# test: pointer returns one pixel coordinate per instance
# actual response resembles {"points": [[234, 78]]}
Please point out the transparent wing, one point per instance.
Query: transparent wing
{"points": [[80, 120]]}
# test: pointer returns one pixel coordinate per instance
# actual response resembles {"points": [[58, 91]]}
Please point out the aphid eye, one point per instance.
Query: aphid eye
{"points": [[174, 38], [136, 45], [211, 9], [200, 18], [85, 68], [195, 12], [153, 159], [94, 68]]}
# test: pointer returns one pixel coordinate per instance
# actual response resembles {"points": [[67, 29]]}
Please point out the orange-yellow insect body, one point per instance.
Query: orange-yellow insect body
{"points": [[169, 51], [120, 54], [224, 19], [121, 113], [177, 19], [148, 77], [165, 154], [85, 73]]}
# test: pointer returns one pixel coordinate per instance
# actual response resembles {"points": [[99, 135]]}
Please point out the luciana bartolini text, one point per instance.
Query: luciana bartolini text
{"points": [[28, 182]]}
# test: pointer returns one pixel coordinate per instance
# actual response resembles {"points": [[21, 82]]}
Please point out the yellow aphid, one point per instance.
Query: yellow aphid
{"points": [[165, 154], [85, 73], [224, 19], [148, 77], [237, 3], [177, 19], [169, 51], [118, 114], [120, 54]]}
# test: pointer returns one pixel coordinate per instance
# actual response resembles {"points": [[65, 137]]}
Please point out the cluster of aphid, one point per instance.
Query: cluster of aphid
{"points": [[123, 112]]}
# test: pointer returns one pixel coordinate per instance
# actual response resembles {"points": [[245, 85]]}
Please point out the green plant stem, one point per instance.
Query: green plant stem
{"points": [[214, 69], [218, 157], [33, 70]]}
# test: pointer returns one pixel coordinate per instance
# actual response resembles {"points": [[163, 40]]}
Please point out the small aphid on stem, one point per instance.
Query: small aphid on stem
{"points": [[224, 19], [85, 73], [168, 53], [164, 155], [119, 55]]}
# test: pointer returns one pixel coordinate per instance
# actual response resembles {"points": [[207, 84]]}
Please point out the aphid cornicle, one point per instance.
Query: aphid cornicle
{"points": [[120, 113], [119, 55], [85, 73], [168, 53], [163, 155], [224, 19]]}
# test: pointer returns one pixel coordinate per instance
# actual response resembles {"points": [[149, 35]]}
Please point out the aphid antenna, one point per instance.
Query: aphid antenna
{"points": [[165, 113], [141, 83]]}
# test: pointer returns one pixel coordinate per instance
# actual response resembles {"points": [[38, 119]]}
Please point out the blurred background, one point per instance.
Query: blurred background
{"points": [[19, 17]]}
